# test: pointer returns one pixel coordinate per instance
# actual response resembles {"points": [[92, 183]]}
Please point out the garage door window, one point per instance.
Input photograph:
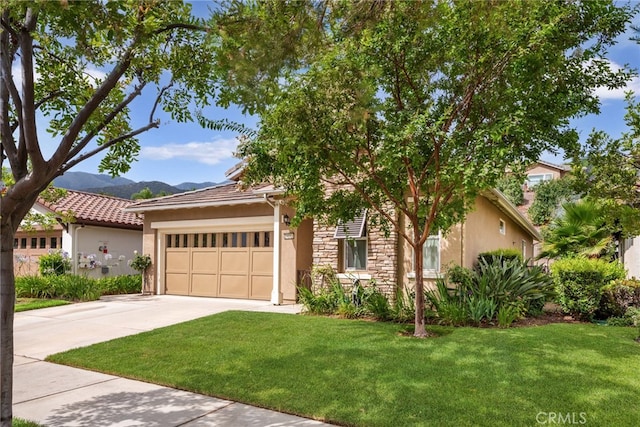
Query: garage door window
{"points": [[259, 239]]}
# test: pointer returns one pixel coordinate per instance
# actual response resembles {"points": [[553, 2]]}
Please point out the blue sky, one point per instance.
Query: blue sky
{"points": [[179, 152]]}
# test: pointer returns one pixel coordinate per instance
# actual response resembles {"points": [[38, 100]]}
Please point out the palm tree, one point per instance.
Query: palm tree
{"points": [[581, 230]]}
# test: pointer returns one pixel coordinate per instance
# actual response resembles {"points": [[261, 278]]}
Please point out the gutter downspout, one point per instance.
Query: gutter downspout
{"points": [[276, 294]]}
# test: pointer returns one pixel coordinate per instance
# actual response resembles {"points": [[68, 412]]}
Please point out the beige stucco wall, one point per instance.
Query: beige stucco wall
{"points": [[482, 232], [464, 242]]}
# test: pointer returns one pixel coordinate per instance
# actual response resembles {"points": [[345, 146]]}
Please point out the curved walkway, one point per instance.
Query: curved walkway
{"points": [[56, 395]]}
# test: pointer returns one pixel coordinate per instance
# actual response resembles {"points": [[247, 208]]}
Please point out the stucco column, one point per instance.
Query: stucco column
{"points": [[276, 292]]}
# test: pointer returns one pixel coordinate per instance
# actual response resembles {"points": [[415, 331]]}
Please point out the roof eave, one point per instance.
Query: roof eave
{"points": [[142, 209]]}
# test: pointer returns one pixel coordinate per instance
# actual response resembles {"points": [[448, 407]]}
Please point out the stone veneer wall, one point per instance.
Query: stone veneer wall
{"points": [[382, 257]]}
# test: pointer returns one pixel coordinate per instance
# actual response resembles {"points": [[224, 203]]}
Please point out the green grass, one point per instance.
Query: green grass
{"points": [[17, 422], [24, 304], [367, 373]]}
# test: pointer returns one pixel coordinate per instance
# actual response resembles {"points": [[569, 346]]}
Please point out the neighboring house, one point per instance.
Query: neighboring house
{"points": [[100, 238], [544, 171], [225, 242]]}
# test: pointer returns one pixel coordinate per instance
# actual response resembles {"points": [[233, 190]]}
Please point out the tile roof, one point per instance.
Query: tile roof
{"points": [[223, 194], [96, 209]]}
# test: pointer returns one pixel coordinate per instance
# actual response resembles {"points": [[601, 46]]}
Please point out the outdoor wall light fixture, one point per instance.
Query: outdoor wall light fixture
{"points": [[286, 220]]}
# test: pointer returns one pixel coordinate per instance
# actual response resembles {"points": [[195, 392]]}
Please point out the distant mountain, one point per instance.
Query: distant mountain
{"points": [[128, 190], [187, 186], [120, 187], [84, 180]]}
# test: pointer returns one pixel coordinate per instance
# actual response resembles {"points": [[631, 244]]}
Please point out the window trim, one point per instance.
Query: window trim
{"points": [[502, 227]]}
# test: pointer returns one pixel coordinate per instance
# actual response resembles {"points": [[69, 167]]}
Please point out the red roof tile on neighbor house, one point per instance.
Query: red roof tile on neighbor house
{"points": [[96, 209]]}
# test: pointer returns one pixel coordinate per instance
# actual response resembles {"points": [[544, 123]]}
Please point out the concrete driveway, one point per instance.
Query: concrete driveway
{"points": [[56, 395]]}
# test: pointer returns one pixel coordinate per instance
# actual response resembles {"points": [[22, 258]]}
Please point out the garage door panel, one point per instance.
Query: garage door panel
{"points": [[262, 262], [261, 287], [177, 283], [204, 261], [234, 261], [204, 285], [234, 286], [177, 260]]}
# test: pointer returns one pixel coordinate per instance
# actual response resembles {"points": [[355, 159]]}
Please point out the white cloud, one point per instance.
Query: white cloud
{"points": [[209, 153], [92, 73], [605, 93]]}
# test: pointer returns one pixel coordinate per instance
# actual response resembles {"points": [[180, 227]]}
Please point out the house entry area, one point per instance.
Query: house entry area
{"points": [[224, 264]]}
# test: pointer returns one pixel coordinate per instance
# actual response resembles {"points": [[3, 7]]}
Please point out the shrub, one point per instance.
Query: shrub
{"points": [[33, 287], [116, 285], [617, 297], [491, 289], [74, 287], [579, 283], [508, 281], [509, 313], [323, 301], [450, 304], [54, 264], [376, 304], [500, 255], [403, 308]]}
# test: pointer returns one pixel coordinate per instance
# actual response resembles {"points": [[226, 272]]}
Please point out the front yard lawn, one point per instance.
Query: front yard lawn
{"points": [[369, 374], [24, 304]]}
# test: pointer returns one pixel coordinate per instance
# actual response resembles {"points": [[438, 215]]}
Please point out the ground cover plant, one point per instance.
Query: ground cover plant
{"points": [[363, 373]]}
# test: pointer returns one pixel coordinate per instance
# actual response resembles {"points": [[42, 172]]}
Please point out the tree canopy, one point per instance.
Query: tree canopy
{"points": [[70, 75], [606, 171], [410, 108]]}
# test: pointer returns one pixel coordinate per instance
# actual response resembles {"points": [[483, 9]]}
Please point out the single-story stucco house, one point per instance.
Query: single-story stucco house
{"points": [[94, 230], [226, 242]]}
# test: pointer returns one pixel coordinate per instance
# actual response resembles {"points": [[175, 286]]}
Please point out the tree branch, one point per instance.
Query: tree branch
{"points": [[106, 145], [105, 122], [28, 128]]}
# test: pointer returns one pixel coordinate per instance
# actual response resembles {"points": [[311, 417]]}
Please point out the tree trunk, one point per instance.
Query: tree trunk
{"points": [[420, 330], [7, 306]]}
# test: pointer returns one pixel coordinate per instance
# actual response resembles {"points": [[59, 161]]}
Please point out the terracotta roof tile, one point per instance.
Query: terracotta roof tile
{"points": [[97, 209], [230, 193]]}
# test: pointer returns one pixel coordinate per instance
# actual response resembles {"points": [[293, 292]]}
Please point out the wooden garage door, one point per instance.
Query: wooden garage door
{"points": [[231, 265]]}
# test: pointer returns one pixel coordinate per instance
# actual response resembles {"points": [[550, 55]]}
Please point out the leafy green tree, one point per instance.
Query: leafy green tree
{"points": [[409, 108], [511, 187], [606, 170], [81, 66], [549, 197], [145, 193], [581, 230]]}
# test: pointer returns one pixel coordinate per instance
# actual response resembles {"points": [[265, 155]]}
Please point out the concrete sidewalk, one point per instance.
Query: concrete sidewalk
{"points": [[55, 395]]}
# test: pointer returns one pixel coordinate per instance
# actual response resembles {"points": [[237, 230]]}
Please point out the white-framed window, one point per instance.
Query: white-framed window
{"points": [[535, 179], [524, 249], [502, 227], [354, 242], [355, 254]]}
